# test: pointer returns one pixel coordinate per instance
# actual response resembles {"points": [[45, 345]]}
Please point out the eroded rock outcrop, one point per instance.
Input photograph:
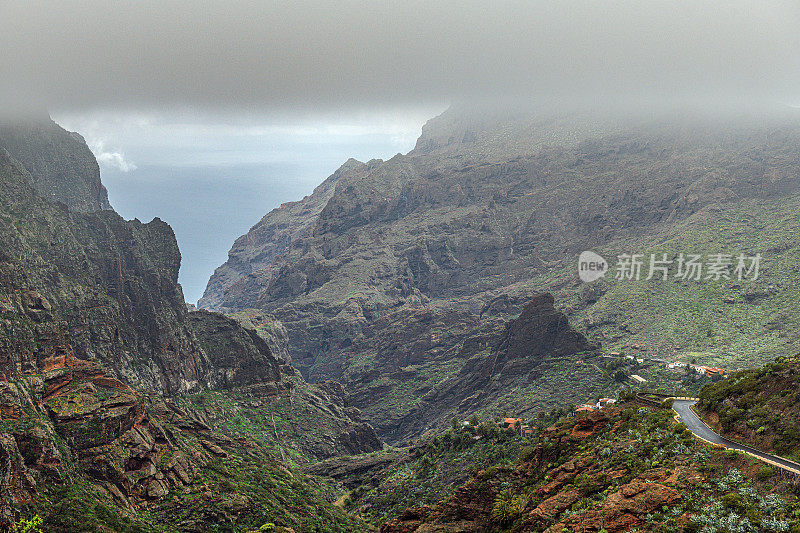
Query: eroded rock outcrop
{"points": [[60, 165], [74, 419]]}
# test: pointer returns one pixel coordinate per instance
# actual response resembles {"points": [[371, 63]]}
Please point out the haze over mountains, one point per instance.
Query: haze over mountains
{"points": [[437, 285], [211, 177], [392, 275], [409, 347]]}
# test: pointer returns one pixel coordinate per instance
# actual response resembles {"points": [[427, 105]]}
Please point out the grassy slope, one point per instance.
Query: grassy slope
{"points": [[758, 406], [690, 319]]}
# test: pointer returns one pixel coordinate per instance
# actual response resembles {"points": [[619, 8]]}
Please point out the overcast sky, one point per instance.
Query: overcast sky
{"points": [[186, 98], [315, 55]]}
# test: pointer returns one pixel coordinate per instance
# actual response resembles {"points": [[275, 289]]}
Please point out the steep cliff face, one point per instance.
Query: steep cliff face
{"points": [[505, 367], [411, 257], [60, 165], [98, 356], [238, 356], [93, 286], [272, 236]]}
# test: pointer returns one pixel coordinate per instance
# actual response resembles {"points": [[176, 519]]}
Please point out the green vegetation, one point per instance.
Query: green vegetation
{"points": [[437, 467], [33, 525], [758, 406], [246, 493], [635, 460], [508, 506], [79, 508], [729, 323]]}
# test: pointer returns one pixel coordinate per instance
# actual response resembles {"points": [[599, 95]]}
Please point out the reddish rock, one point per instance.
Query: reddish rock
{"points": [[590, 424], [623, 510], [554, 506]]}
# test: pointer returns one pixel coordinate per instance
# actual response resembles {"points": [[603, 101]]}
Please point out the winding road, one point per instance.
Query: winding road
{"points": [[700, 429]]}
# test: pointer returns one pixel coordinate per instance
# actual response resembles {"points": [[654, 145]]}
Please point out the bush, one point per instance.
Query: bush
{"points": [[764, 473], [732, 501], [28, 526]]}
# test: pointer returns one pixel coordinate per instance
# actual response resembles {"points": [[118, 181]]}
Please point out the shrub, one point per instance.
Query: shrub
{"points": [[28, 526], [764, 473], [732, 501], [508, 507]]}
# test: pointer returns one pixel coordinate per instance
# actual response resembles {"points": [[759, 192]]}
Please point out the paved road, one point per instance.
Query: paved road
{"points": [[699, 428]]}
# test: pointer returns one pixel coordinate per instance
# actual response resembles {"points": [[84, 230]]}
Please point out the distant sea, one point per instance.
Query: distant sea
{"points": [[212, 177]]}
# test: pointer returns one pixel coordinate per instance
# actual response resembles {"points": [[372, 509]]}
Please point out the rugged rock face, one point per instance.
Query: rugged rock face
{"points": [[117, 451], [412, 257], [268, 239], [268, 328], [540, 331], [98, 355], [291, 418], [74, 417], [94, 285], [498, 360], [238, 356], [60, 165]]}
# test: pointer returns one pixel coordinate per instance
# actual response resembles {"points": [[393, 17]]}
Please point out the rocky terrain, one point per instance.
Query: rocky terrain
{"points": [[397, 268], [88, 453], [503, 370], [620, 469], [433, 290], [100, 362], [269, 238]]}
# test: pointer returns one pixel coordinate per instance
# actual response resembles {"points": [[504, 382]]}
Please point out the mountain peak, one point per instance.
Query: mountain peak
{"points": [[60, 164]]}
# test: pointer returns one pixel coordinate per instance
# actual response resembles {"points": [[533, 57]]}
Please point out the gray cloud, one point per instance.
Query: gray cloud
{"points": [[325, 55]]}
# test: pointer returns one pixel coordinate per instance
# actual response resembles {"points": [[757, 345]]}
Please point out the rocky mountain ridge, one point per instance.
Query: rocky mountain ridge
{"points": [[410, 258], [99, 362]]}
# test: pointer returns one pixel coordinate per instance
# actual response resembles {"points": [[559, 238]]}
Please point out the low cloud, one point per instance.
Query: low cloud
{"points": [[316, 56], [110, 159]]}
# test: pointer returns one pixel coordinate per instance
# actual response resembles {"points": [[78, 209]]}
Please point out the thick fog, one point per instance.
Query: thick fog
{"points": [[212, 113], [352, 55]]}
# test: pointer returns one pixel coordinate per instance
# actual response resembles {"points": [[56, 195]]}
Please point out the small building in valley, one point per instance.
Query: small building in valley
{"points": [[510, 423]]}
